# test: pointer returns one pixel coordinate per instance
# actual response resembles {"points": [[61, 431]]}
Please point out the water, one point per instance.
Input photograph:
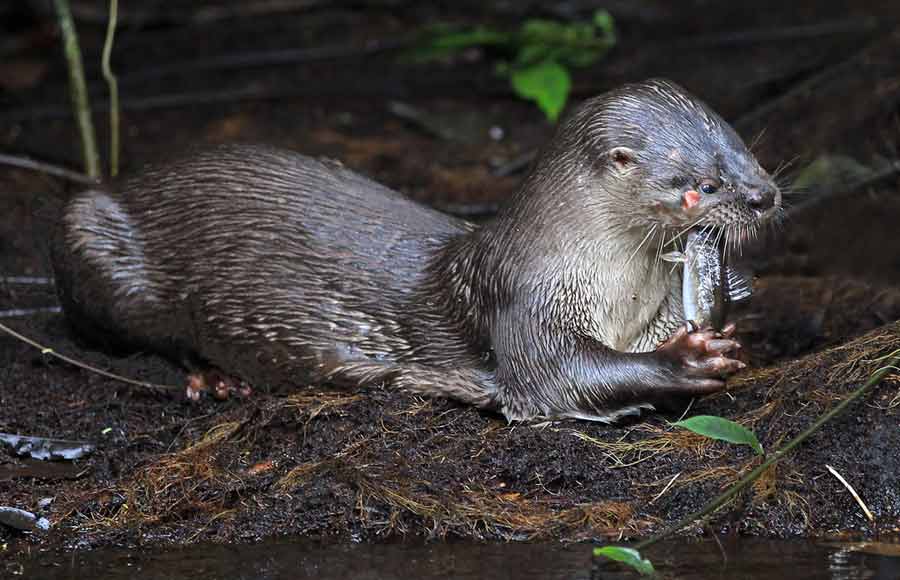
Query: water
{"points": [[731, 560]]}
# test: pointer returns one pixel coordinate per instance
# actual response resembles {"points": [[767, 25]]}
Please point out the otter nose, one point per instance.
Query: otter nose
{"points": [[762, 198]]}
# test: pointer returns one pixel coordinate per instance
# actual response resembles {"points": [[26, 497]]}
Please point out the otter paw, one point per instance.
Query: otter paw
{"points": [[702, 357], [217, 383]]}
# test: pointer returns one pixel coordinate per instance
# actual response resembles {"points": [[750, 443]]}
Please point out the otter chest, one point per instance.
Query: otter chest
{"points": [[628, 311]]}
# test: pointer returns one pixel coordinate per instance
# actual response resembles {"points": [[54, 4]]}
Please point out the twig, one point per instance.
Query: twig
{"points": [[249, 9], [852, 491], [787, 33], [169, 101], [113, 89], [54, 170], [78, 89], [35, 280], [18, 312], [890, 170], [264, 58], [665, 489], [892, 360], [153, 387], [149, 12]]}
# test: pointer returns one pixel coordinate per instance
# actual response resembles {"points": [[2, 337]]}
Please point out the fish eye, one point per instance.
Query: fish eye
{"points": [[708, 186]]}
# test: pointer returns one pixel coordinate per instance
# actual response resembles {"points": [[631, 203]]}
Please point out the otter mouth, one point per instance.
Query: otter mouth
{"points": [[726, 237], [737, 223], [728, 224]]}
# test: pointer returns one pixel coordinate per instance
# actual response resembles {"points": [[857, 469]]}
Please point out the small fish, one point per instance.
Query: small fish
{"points": [[709, 284]]}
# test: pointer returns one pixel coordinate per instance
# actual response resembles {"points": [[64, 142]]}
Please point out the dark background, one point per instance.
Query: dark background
{"points": [[801, 80]]}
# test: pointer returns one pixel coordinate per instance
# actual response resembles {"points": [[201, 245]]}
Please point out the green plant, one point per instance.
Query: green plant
{"points": [[721, 429], [536, 57], [891, 364], [628, 556], [78, 89], [113, 88]]}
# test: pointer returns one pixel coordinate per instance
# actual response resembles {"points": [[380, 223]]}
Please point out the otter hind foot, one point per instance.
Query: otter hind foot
{"points": [[220, 385]]}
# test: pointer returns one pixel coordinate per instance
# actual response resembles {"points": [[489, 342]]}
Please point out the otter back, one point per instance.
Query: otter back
{"points": [[275, 266]]}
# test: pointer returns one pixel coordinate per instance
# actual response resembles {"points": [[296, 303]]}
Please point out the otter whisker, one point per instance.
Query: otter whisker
{"points": [[685, 230], [719, 233], [757, 139], [659, 248], [640, 245], [783, 166]]}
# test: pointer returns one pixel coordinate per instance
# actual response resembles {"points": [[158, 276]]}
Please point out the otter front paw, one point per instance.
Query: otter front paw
{"points": [[700, 358]]}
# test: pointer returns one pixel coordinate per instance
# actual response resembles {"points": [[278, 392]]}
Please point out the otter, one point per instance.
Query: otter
{"points": [[252, 265]]}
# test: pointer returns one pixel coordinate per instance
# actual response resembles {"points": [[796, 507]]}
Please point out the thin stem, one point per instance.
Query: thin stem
{"points": [[892, 359], [113, 89], [49, 351], [78, 89], [47, 168]]}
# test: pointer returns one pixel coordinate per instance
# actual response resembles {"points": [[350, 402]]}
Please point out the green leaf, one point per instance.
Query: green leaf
{"points": [[721, 429], [627, 556], [583, 57], [440, 42], [479, 36], [603, 20], [542, 30], [547, 83], [532, 54]]}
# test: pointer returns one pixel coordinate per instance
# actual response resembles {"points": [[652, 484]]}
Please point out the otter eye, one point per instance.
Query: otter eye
{"points": [[708, 186]]}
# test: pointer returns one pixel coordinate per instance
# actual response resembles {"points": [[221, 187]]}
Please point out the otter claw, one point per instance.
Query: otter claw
{"points": [[720, 366], [729, 330], [722, 345]]}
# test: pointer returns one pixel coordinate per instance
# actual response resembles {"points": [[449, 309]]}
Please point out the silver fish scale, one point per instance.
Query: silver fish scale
{"points": [[704, 283]]}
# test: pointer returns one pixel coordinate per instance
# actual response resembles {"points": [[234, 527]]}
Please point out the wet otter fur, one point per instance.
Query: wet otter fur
{"points": [[280, 269]]}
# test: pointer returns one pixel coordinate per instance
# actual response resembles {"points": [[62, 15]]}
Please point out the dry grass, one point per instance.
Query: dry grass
{"points": [[176, 485], [850, 362], [385, 506], [314, 404], [659, 443], [190, 486]]}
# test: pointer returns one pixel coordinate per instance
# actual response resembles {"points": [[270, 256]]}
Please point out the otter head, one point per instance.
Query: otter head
{"points": [[673, 162]]}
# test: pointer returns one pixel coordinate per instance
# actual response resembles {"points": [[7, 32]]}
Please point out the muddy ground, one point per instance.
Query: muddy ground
{"points": [[803, 81]]}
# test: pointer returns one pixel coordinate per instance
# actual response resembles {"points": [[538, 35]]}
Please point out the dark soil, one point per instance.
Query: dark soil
{"points": [[820, 77]]}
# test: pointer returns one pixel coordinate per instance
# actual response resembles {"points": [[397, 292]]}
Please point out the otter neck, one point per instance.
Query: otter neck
{"points": [[573, 249]]}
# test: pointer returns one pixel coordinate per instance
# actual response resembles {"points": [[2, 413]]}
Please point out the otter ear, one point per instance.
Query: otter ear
{"points": [[622, 158]]}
